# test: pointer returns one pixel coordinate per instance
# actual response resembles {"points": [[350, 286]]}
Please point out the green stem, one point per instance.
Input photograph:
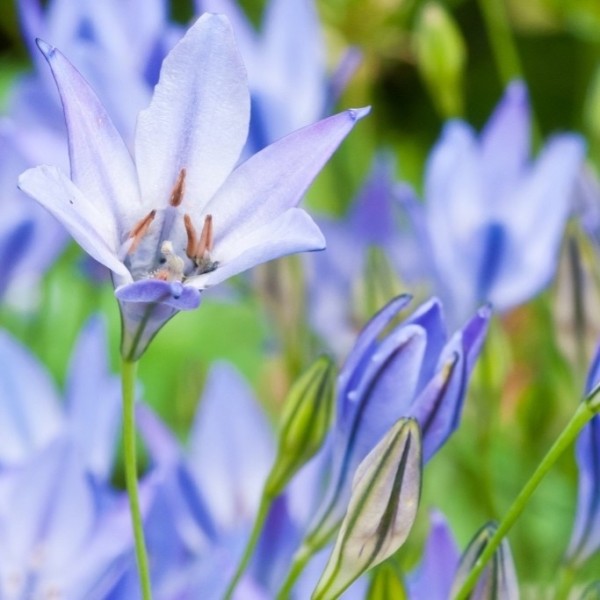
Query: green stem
{"points": [[128, 373], [503, 46], [263, 511], [583, 414], [566, 576], [299, 562]]}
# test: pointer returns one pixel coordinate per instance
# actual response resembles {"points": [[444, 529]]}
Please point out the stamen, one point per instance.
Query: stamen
{"points": [[140, 230], [192, 238], [206, 238], [178, 189]]}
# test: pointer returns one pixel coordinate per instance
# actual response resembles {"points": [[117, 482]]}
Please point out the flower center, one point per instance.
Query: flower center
{"points": [[156, 243]]}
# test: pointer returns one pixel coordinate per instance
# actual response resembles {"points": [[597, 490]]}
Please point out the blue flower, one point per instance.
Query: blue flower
{"points": [[286, 66], [492, 219], [178, 220], [411, 371], [585, 538], [32, 414]]}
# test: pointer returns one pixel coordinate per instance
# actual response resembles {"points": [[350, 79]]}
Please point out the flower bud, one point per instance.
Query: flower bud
{"points": [[383, 506], [440, 53], [498, 581], [304, 423]]}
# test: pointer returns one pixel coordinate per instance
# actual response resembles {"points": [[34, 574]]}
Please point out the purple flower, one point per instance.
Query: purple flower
{"points": [[286, 67], [493, 220], [178, 220], [412, 371], [585, 538], [432, 579], [32, 413], [60, 534]]}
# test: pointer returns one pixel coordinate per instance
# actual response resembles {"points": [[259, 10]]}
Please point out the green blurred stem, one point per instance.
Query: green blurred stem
{"points": [[299, 562], [128, 374], [503, 46], [263, 511], [566, 577], [581, 417]]}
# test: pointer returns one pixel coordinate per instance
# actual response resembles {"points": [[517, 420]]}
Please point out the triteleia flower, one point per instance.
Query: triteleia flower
{"points": [[61, 535], [585, 538], [432, 579], [178, 220], [32, 414], [411, 371], [492, 219], [286, 67]]}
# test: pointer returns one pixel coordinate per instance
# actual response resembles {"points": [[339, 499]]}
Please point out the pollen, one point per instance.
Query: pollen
{"points": [[174, 264]]}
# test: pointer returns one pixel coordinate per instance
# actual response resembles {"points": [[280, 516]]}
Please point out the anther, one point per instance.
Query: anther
{"points": [[206, 238], [140, 230], [192, 238], [178, 189]]}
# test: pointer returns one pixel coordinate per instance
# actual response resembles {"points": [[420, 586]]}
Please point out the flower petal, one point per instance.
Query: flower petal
{"points": [[293, 231], [274, 180], [90, 228], [198, 117], [170, 293], [101, 166]]}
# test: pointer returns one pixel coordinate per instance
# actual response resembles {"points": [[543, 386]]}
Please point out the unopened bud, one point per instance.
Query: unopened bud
{"points": [[304, 423], [440, 53], [498, 581], [382, 509]]}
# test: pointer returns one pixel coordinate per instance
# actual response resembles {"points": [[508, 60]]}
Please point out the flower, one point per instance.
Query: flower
{"points": [[492, 220], [411, 371], [585, 538], [32, 414], [178, 220], [289, 88]]}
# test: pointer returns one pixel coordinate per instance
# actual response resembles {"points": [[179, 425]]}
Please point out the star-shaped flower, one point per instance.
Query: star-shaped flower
{"points": [[182, 217]]}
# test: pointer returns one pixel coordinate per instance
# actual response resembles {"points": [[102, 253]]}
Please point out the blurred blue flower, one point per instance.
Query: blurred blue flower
{"points": [[493, 220], [118, 47], [585, 538], [178, 220], [333, 277], [286, 66], [413, 370], [433, 577], [32, 414], [61, 535]]}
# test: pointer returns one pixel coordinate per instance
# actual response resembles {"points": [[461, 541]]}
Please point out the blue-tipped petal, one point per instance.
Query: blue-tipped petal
{"points": [[169, 293]]}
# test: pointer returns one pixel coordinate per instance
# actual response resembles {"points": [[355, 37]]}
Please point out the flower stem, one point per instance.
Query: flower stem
{"points": [[263, 511], [128, 373], [566, 576], [299, 562], [584, 413]]}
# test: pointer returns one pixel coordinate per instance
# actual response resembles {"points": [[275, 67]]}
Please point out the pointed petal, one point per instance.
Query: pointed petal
{"points": [[230, 470], [293, 231], [198, 117], [94, 400], [90, 228], [274, 180], [101, 166], [30, 413], [505, 139]]}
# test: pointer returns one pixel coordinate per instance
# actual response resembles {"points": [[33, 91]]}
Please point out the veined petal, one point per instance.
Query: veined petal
{"points": [[101, 166], [198, 117], [91, 228], [293, 231], [274, 179]]}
